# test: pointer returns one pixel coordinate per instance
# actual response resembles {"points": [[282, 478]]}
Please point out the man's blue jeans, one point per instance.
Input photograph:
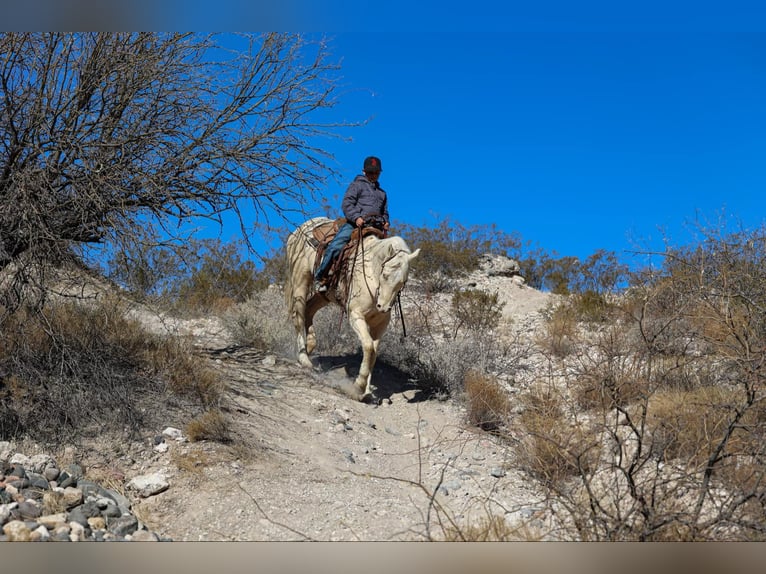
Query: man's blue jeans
{"points": [[334, 248]]}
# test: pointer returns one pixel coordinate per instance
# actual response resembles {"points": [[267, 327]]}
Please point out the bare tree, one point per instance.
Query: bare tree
{"points": [[113, 139]]}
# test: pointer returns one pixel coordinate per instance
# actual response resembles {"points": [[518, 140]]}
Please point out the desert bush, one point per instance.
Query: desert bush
{"points": [[476, 310], [219, 279], [559, 335], [674, 386], [555, 448], [450, 250], [210, 425], [488, 403], [72, 369], [263, 322]]}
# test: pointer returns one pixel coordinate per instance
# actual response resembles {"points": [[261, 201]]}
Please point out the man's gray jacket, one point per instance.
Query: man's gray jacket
{"points": [[364, 198]]}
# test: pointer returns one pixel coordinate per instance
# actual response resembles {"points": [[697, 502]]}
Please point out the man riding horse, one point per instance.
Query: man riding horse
{"points": [[365, 203]]}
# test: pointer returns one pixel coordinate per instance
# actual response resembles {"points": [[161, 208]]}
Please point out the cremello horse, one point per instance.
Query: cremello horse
{"points": [[373, 281]]}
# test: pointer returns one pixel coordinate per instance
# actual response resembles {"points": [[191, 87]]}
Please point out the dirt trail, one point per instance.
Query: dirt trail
{"points": [[319, 465]]}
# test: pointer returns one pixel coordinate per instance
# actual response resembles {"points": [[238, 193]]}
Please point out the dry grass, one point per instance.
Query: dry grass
{"points": [[193, 461], [555, 447], [73, 368], [688, 425], [559, 336], [488, 404], [491, 529], [210, 425]]}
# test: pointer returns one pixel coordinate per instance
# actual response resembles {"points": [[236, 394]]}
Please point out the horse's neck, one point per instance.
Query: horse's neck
{"points": [[379, 249]]}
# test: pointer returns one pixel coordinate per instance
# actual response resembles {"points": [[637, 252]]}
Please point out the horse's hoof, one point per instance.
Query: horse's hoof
{"points": [[370, 399]]}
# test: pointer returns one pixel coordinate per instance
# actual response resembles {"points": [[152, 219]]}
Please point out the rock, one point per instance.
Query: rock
{"points": [[72, 497], [497, 472], [77, 532], [89, 488], [28, 510], [111, 511], [6, 449], [18, 470], [97, 523], [38, 463], [37, 480], [52, 521], [123, 525], [51, 473], [174, 433], [122, 502], [17, 531], [61, 533], [40, 534], [149, 484], [5, 511], [144, 536], [499, 266], [162, 448], [77, 516]]}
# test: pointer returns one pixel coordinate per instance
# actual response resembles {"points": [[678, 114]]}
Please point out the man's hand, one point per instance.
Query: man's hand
{"points": [[359, 221]]}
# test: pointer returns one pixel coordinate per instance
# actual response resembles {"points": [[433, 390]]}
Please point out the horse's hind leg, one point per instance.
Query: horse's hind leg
{"points": [[298, 315], [317, 301]]}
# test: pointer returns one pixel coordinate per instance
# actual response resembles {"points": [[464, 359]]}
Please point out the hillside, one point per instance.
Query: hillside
{"points": [[307, 462]]}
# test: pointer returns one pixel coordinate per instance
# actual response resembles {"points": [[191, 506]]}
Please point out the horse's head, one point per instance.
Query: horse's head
{"points": [[393, 276]]}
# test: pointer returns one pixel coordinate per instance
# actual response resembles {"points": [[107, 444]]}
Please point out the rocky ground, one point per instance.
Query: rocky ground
{"points": [[310, 463]]}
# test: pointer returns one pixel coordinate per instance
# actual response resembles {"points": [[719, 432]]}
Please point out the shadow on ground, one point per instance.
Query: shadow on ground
{"points": [[387, 379]]}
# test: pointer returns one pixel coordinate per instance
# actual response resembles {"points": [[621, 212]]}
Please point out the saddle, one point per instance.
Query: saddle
{"points": [[324, 234]]}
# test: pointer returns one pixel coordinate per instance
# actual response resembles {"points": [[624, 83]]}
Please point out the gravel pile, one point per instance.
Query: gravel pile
{"points": [[41, 502]]}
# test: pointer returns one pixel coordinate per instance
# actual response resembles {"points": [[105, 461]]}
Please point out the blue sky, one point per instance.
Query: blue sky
{"points": [[579, 125], [578, 141]]}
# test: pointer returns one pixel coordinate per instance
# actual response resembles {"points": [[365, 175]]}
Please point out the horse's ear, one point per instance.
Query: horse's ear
{"points": [[414, 254]]}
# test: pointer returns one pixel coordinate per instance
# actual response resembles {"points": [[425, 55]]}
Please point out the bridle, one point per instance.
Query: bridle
{"points": [[374, 296]]}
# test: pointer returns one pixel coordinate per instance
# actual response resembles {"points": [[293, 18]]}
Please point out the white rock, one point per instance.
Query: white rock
{"points": [[162, 447], [76, 532], [6, 449], [17, 531], [21, 459], [5, 511], [149, 484], [174, 433], [39, 462], [41, 533]]}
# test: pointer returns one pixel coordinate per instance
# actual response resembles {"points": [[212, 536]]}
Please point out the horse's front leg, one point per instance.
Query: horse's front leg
{"points": [[369, 354]]}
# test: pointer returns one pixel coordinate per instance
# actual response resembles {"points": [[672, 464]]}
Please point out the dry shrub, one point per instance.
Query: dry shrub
{"points": [[491, 529], [559, 336], [72, 369], [476, 310], [688, 425], [554, 449], [184, 373], [264, 323], [194, 460], [488, 404], [210, 425], [439, 368], [604, 388], [591, 306]]}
